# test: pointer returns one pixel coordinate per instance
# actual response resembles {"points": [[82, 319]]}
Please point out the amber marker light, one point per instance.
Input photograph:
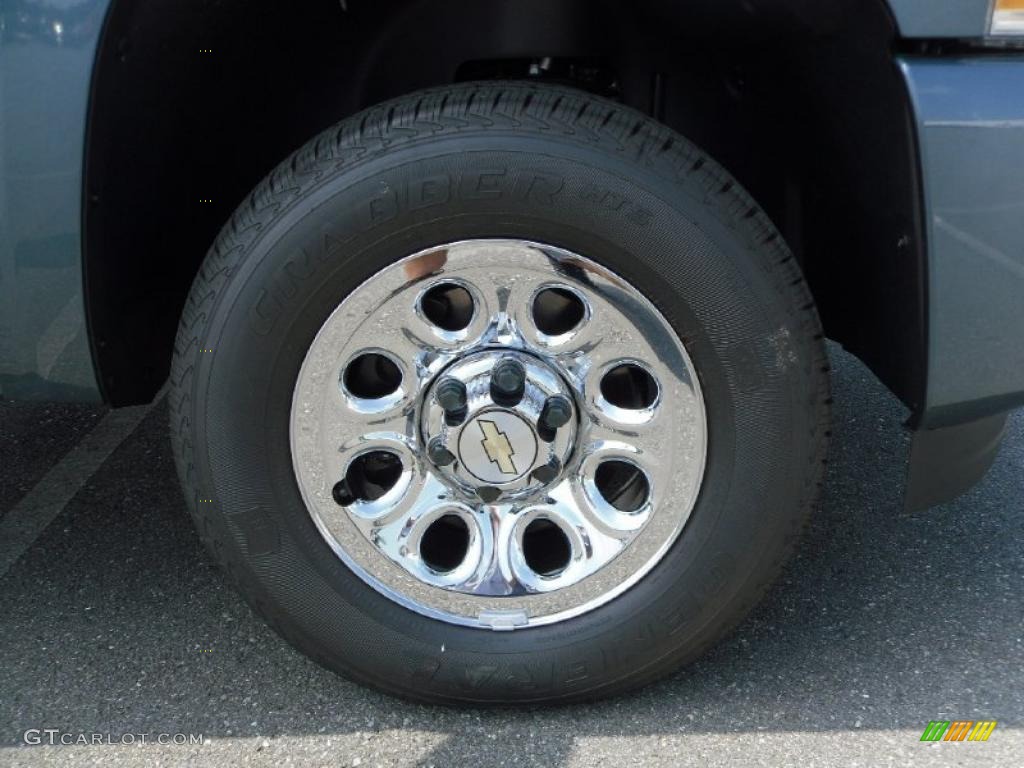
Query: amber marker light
{"points": [[1007, 17]]}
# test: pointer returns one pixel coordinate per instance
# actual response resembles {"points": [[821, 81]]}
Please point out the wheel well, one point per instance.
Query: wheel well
{"points": [[802, 102]]}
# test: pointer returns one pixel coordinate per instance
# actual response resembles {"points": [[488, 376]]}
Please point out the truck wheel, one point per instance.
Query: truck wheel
{"points": [[500, 393]]}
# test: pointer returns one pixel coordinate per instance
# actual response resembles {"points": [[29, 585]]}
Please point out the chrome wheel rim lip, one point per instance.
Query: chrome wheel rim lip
{"points": [[493, 587]]}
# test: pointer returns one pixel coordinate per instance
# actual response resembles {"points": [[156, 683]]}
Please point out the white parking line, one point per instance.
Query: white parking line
{"points": [[23, 524]]}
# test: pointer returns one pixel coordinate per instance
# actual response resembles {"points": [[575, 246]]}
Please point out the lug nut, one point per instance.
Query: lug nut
{"points": [[342, 494], [548, 472], [488, 493], [556, 413], [508, 382], [439, 453], [451, 396]]}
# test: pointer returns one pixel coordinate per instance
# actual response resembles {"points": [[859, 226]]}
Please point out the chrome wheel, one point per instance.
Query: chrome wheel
{"points": [[498, 433]]}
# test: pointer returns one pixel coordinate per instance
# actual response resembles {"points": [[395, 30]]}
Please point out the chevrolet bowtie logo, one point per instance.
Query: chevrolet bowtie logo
{"points": [[499, 449]]}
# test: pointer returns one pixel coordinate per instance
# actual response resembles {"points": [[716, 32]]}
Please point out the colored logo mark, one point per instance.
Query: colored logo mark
{"points": [[499, 449], [958, 730]]}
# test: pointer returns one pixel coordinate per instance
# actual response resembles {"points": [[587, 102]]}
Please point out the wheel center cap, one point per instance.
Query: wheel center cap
{"points": [[497, 446], [499, 424]]}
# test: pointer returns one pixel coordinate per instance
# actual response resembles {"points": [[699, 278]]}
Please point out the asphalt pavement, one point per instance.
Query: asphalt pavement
{"points": [[114, 624]]}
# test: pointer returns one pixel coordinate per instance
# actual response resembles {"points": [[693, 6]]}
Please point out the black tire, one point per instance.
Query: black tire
{"points": [[501, 160]]}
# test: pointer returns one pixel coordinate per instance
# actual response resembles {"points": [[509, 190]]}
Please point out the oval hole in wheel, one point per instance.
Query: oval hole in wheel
{"points": [[557, 311], [622, 485], [449, 306], [371, 475], [629, 386], [445, 543], [372, 375], [546, 548]]}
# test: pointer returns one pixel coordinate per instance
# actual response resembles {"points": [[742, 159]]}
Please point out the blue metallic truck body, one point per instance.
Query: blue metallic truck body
{"points": [[941, 18], [969, 113], [46, 59], [970, 127]]}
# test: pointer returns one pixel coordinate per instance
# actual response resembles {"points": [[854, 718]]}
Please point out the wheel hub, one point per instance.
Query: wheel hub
{"points": [[494, 443]]}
